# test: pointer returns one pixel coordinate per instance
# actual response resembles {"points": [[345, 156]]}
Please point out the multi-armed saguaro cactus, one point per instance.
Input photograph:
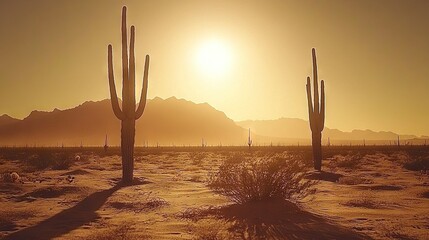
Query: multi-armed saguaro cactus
{"points": [[128, 115], [316, 114]]}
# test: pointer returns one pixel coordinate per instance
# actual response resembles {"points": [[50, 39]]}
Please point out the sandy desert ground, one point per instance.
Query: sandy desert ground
{"points": [[363, 193]]}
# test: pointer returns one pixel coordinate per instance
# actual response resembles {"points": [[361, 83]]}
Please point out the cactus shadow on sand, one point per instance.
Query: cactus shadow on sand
{"points": [[69, 219], [279, 219]]}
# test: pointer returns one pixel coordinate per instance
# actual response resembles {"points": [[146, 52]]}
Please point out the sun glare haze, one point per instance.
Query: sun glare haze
{"points": [[213, 59]]}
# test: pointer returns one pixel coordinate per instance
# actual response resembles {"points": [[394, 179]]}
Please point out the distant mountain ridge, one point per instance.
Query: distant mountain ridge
{"points": [[165, 122], [168, 121], [294, 128]]}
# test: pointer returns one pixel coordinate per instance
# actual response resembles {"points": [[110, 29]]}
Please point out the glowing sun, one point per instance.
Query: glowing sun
{"points": [[214, 58]]}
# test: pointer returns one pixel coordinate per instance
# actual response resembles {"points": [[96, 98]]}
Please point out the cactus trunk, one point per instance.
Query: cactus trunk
{"points": [[128, 114], [317, 150], [127, 149], [316, 112]]}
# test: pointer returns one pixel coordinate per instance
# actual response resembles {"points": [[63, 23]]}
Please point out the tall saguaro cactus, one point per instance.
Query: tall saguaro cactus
{"points": [[316, 113], [128, 114]]}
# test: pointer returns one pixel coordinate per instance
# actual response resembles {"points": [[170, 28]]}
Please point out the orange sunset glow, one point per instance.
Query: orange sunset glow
{"points": [[202, 119]]}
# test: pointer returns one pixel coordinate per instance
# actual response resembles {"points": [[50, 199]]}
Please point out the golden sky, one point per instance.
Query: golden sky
{"points": [[373, 56]]}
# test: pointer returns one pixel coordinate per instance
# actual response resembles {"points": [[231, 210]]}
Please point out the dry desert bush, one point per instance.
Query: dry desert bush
{"points": [[272, 176]]}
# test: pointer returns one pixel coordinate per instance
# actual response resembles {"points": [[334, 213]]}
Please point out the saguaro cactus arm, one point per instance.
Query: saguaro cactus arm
{"points": [[143, 96], [310, 103], [125, 82], [132, 76], [315, 85], [322, 107], [114, 98]]}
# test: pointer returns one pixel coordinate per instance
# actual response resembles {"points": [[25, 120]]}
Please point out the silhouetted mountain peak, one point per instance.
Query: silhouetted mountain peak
{"points": [[6, 120], [5, 116], [168, 121], [36, 114]]}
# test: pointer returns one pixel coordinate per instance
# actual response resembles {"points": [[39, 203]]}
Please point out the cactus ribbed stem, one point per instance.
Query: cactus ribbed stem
{"points": [[316, 113], [128, 114]]}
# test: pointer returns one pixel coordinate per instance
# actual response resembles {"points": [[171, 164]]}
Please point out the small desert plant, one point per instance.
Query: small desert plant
{"points": [[416, 159], [417, 164], [256, 179], [41, 160], [44, 159], [197, 157], [349, 161], [62, 161]]}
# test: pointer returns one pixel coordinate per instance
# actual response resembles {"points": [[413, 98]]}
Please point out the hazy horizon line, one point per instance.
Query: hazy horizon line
{"points": [[195, 102]]}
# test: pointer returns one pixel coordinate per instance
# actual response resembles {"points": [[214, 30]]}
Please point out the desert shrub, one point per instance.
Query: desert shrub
{"points": [[349, 161], [197, 157], [417, 164], [40, 160], [416, 159], [62, 161], [44, 159], [255, 179]]}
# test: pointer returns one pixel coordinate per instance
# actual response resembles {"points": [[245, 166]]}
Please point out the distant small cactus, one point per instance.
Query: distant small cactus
{"points": [[249, 140], [105, 144]]}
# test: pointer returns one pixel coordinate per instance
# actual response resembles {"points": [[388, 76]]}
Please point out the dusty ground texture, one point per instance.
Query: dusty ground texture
{"points": [[361, 195]]}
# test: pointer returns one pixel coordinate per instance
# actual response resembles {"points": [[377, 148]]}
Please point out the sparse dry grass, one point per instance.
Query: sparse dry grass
{"points": [[197, 157], [365, 200], [9, 217], [124, 231], [350, 180], [396, 232], [146, 203], [141, 206], [210, 229], [348, 161]]}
